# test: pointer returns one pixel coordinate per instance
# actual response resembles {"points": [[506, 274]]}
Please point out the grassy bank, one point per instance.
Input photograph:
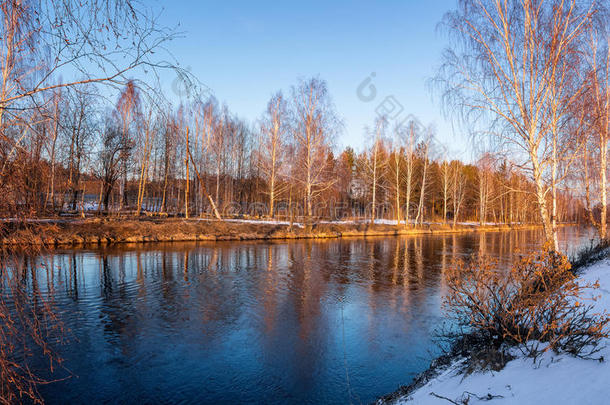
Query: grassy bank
{"points": [[75, 232]]}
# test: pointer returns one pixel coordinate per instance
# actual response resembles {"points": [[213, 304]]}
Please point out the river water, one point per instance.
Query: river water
{"points": [[333, 321]]}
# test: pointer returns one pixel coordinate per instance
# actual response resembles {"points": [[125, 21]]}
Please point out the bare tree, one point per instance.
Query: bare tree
{"points": [[203, 188], [128, 110], [396, 167], [458, 189], [219, 141], [375, 162], [187, 176], [315, 125], [274, 128], [54, 131], [97, 41], [409, 132], [597, 108], [78, 123], [148, 128], [110, 161], [503, 70], [445, 172], [423, 153], [485, 166]]}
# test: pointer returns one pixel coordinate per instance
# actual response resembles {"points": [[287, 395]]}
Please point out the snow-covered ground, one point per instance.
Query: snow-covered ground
{"points": [[264, 222], [378, 221], [381, 221], [557, 379], [471, 223]]}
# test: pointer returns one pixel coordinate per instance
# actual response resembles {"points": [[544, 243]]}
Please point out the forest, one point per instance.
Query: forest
{"points": [[86, 159], [113, 143]]}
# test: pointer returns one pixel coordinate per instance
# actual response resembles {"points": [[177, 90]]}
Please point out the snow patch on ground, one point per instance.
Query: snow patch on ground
{"points": [[556, 379], [471, 223], [264, 222]]}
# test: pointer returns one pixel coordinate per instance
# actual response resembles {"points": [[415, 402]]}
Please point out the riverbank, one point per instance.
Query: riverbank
{"points": [[97, 231], [553, 378]]}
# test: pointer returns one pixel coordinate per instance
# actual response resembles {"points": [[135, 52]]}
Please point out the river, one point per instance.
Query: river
{"points": [[311, 321]]}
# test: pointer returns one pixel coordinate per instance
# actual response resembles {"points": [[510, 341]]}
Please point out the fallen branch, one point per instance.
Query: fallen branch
{"points": [[466, 396]]}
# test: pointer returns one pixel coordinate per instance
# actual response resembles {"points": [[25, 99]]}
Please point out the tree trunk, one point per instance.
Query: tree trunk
{"points": [[603, 162], [397, 185], [420, 207], [203, 188], [542, 204], [186, 189]]}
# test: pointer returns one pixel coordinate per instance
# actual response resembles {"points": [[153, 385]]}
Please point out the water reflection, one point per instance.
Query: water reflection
{"points": [[301, 322]]}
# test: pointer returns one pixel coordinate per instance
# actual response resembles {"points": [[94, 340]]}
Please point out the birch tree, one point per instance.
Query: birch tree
{"points": [[597, 108], [445, 172], [315, 126], [458, 189], [396, 164], [54, 131], [375, 163], [423, 154], [485, 166], [128, 110], [274, 128], [148, 128], [502, 69], [409, 132]]}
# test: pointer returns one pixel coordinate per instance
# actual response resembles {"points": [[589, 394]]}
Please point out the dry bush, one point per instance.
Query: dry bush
{"points": [[28, 328], [536, 306]]}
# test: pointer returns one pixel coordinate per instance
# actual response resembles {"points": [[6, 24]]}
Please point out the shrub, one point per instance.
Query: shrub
{"points": [[536, 306]]}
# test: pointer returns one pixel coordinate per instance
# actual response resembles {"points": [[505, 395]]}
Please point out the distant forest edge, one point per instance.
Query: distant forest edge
{"points": [[69, 149], [88, 166]]}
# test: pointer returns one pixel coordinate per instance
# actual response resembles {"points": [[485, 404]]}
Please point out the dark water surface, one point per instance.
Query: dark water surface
{"points": [[333, 321]]}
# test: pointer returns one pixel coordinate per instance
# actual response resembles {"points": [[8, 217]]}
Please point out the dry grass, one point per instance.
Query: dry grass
{"points": [[115, 230]]}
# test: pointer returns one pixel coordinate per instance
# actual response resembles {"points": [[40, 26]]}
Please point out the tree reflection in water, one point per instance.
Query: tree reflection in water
{"points": [[262, 322]]}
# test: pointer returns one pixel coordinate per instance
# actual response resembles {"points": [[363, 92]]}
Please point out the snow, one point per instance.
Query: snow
{"points": [[478, 223], [265, 222], [386, 221], [378, 221], [555, 379], [261, 221], [381, 221]]}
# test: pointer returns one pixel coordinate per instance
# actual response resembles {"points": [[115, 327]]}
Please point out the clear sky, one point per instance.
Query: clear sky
{"points": [[247, 50]]}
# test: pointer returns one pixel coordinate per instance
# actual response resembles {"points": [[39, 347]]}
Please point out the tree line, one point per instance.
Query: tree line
{"points": [[143, 156], [531, 76]]}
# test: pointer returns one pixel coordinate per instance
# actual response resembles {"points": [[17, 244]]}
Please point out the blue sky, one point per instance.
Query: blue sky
{"points": [[245, 51]]}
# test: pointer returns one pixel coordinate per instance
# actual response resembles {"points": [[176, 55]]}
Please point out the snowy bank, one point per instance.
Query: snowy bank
{"points": [[554, 379]]}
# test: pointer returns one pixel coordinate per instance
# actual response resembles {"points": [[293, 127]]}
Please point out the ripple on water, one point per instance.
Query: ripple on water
{"points": [[255, 322]]}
